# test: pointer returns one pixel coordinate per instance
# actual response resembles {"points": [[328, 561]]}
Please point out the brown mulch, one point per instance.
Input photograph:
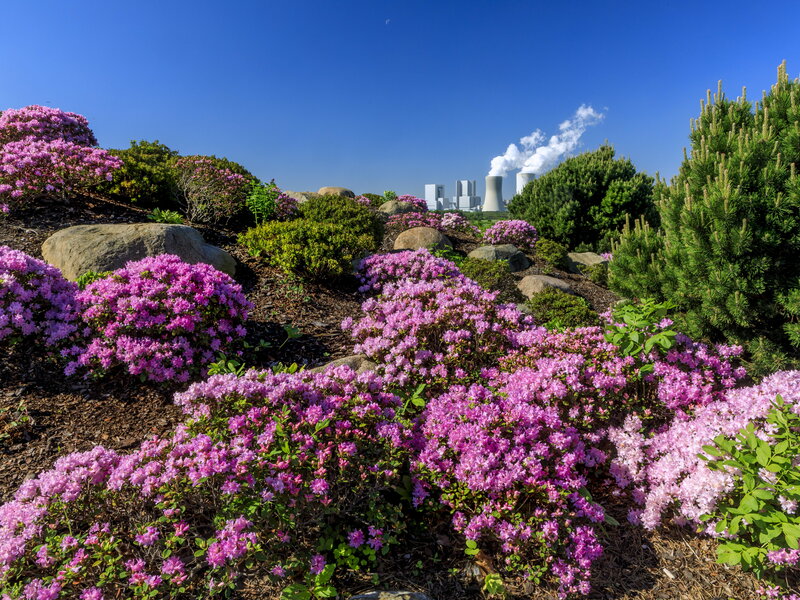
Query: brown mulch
{"points": [[67, 415]]}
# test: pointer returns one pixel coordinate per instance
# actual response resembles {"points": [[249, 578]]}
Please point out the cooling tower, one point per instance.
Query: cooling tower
{"points": [[523, 179], [494, 194]]}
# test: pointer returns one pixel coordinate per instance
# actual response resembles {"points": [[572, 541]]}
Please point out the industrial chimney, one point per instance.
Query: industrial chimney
{"points": [[494, 194], [523, 179]]}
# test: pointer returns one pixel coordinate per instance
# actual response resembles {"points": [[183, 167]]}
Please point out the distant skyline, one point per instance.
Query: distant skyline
{"points": [[382, 94]]}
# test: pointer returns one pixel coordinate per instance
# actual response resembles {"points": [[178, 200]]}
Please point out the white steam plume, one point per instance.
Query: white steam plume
{"points": [[532, 157]]}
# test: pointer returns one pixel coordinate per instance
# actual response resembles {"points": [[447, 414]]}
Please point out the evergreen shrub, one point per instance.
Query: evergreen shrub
{"points": [[346, 212], [552, 307], [146, 176], [585, 199], [553, 253], [308, 248], [726, 253], [494, 276]]}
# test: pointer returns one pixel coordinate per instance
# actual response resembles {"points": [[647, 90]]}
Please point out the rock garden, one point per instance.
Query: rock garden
{"points": [[214, 387]]}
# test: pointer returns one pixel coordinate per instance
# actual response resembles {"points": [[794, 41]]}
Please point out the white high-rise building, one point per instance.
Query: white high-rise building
{"points": [[466, 197], [434, 196]]}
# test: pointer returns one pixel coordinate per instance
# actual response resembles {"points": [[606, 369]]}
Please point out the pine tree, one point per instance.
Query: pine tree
{"points": [[729, 242]]}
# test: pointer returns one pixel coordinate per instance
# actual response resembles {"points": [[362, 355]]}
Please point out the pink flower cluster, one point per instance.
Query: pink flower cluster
{"points": [[210, 193], [46, 124], [159, 317], [435, 330], [285, 207], [36, 303], [489, 450], [33, 168], [445, 222], [521, 234], [666, 476], [418, 265], [418, 202], [292, 449]]}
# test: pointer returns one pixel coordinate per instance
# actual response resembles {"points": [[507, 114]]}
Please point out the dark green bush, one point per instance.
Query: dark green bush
{"points": [[146, 176], [492, 275], [554, 308], [585, 199], [553, 253], [597, 273], [726, 253], [346, 212], [308, 248]]}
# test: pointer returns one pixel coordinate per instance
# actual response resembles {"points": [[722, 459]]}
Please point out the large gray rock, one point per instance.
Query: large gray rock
{"points": [[576, 260], [399, 595], [517, 261], [531, 285], [76, 250], [300, 196], [393, 207], [332, 190], [421, 237], [358, 362]]}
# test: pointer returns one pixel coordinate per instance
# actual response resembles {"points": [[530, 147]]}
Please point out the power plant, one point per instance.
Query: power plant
{"points": [[523, 179], [494, 194]]}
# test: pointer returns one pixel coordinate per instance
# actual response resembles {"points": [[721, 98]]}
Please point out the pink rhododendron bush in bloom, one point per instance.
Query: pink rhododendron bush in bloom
{"points": [[266, 467], [416, 265], [453, 222], [521, 234], [159, 318], [418, 202], [210, 193], [37, 305], [47, 153]]}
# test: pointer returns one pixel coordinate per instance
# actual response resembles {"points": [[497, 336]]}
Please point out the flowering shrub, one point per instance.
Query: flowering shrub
{"points": [[664, 471], [440, 222], [45, 124], [416, 265], [418, 202], [521, 234], [512, 470], [285, 207], [210, 192], [267, 468], [159, 318], [37, 304], [435, 331], [33, 168]]}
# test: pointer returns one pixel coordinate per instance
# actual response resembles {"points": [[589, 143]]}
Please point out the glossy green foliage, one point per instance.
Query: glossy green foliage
{"points": [[556, 310], [346, 212]]}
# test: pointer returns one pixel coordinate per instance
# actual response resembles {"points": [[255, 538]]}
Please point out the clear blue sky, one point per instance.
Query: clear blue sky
{"points": [[388, 94]]}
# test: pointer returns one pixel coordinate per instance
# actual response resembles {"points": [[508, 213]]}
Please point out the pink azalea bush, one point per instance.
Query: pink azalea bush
{"points": [[434, 330], [37, 305], [33, 168], [512, 469], [441, 222], [266, 466], [45, 124], [418, 265], [418, 202], [209, 192], [159, 318], [666, 477], [521, 234], [285, 207]]}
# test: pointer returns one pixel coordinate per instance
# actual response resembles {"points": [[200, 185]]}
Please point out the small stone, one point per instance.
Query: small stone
{"points": [[358, 362], [517, 261], [332, 190], [391, 595], [576, 260], [421, 237], [531, 285], [393, 207]]}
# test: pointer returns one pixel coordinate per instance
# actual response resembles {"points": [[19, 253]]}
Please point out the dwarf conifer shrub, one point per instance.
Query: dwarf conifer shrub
{"points": [[726, 253], [346, 212], [307, 248], [37, 305], [494, 276], [159, 318], [147, 176], [585, 198], [554, 307], [553, 253]]}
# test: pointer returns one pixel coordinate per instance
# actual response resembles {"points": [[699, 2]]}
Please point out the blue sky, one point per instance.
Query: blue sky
{"points": [[388, 94]]}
